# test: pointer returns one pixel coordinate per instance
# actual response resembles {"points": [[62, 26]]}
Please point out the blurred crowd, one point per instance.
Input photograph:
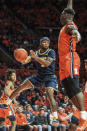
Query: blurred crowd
{"points": [[20, 26]]}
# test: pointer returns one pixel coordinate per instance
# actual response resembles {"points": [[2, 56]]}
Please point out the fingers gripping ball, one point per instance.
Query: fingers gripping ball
{"points": [[20, 54]]}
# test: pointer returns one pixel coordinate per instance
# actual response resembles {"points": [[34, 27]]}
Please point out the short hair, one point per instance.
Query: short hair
{"points": [[69, 11], [28, 105], [9, 72], [42, 108], [44, 38]]}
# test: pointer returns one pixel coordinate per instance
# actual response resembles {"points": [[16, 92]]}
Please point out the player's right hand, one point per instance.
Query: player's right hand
{"points": [[28, 59]]}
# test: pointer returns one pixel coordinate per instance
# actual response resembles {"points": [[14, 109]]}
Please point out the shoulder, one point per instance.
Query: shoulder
{"points": [[8, 82], [51, 51], [70, 26]]}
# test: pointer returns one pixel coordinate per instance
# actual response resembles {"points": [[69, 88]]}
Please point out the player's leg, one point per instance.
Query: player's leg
{"points": [[13, 125], [24, 86], [52, 102], [51, 85], [73, 91], [11, 117], [29, 83]]}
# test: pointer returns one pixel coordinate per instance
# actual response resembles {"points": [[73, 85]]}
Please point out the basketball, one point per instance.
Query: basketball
{"points": [[20, 54]]}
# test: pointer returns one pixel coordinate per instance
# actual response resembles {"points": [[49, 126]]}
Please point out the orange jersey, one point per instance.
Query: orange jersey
{"points": [[7, 122], [10, 111], [65, 48], [21, 119], [4, 113]]}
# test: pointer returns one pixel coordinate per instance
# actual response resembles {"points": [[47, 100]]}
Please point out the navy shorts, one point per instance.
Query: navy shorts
{"points": [[47, 81]]}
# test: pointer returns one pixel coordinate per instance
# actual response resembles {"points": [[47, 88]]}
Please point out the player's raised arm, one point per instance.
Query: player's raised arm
{"points": [[70, 4]]}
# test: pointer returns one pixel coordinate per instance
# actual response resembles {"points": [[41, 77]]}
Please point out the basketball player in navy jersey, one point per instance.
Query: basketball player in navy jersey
{"points": [[45, 58]]}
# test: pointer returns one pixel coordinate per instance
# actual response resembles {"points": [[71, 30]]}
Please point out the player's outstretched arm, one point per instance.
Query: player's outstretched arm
{"points": [[70, 4]]}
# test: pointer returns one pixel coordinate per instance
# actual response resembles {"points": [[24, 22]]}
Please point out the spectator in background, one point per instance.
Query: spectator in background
{"points": [[41, 120], [35, 110], [63, 118], [21, 120], [29, 115]]}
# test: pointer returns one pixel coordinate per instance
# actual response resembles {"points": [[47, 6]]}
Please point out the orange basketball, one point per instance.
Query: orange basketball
{"points": [[20, 54]]}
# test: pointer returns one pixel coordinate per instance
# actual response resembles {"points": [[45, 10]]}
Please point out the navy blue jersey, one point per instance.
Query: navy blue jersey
{"points": [[50, 70]]}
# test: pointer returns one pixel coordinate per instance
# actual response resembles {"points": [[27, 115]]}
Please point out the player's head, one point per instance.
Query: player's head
{"points": [[44, 43], [67, 15], [11, 75]]}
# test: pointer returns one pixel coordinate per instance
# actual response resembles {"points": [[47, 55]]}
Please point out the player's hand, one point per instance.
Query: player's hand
{"points": [[33, 55], [28, 59], [75, 38]]}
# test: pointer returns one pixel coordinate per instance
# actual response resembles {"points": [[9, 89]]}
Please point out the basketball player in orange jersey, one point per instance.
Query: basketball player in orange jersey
{"points": [[8, 89], [69, 61]]}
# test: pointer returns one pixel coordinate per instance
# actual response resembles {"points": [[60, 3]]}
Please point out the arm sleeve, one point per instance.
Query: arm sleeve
{"points": [[52, 54]]}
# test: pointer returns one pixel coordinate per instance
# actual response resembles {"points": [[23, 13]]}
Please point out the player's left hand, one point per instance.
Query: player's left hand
{"points": [[33, 55]]}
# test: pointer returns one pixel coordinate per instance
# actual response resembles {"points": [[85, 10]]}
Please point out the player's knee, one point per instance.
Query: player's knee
{"points": [[49, 91]]}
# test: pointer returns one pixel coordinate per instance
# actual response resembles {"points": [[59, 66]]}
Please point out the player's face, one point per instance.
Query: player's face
{"points": [[29, 108], [44, 44], [42, 112], [13, 77], [64, 18]]}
